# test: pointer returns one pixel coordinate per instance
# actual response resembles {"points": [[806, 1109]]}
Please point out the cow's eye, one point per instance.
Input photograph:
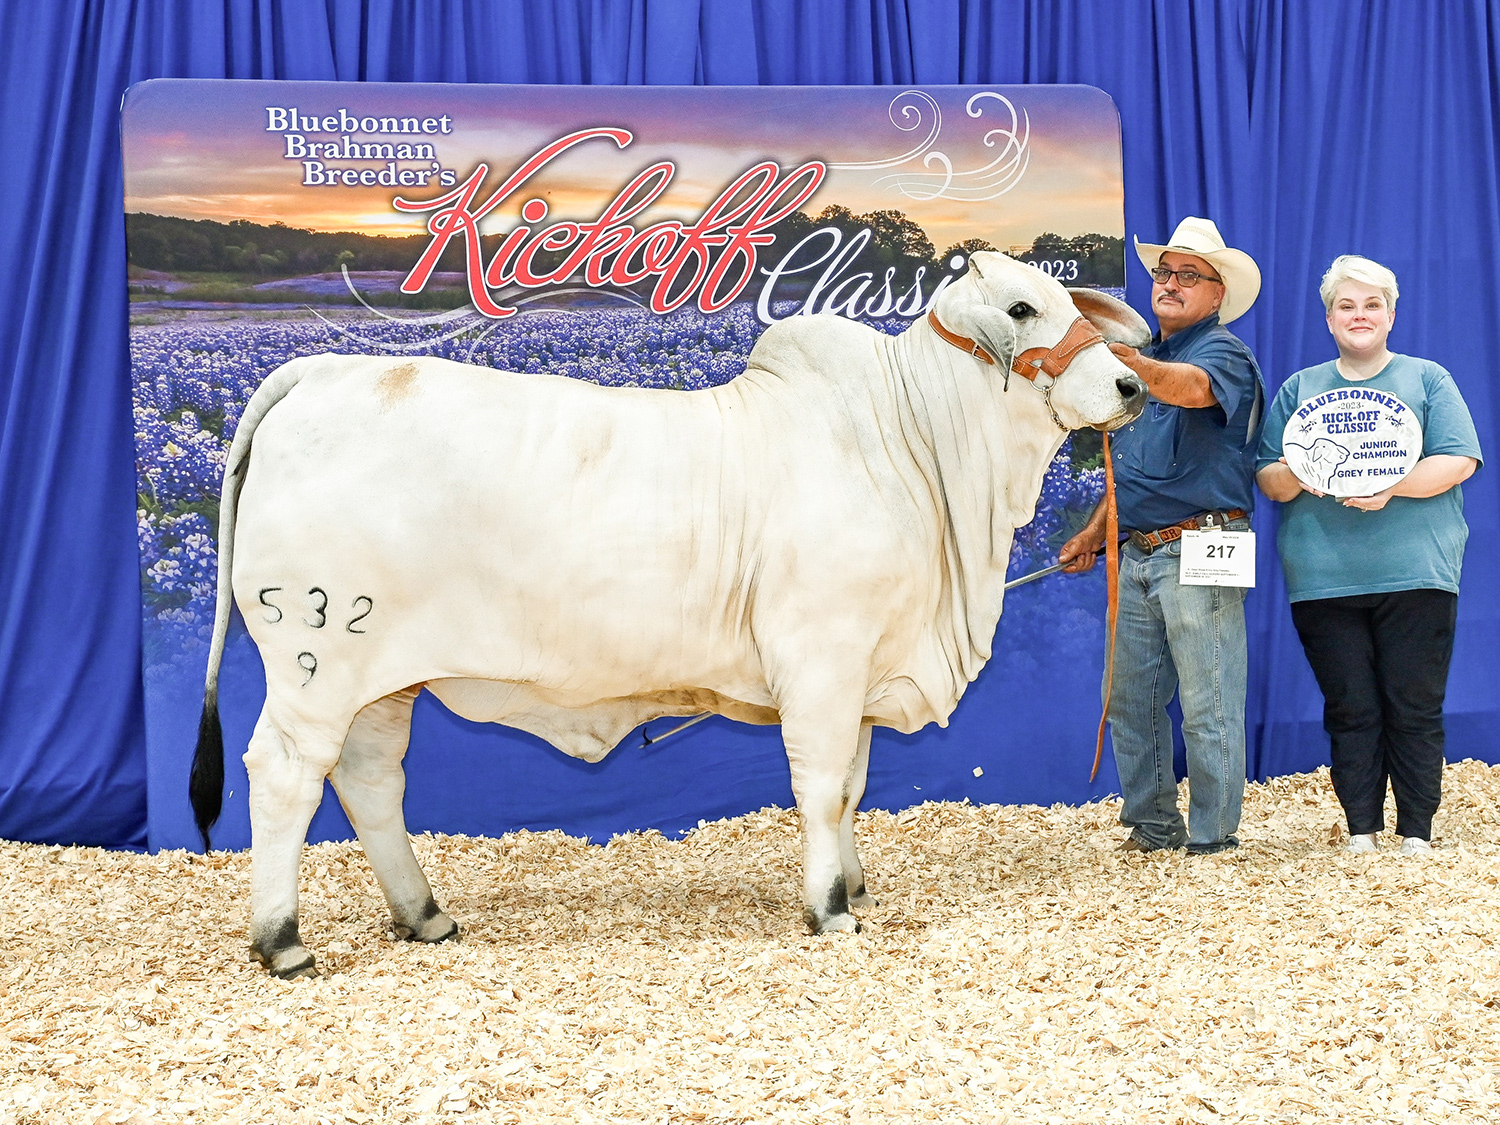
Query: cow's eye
{"points": [[1021, 310]]}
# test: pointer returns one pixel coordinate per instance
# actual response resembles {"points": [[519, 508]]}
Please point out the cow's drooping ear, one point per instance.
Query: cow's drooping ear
{"points": [[995, 332], [1116, 321], [961, 311]]}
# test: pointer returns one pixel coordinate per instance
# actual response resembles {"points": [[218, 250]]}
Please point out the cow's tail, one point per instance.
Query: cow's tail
{"points": [[206, 782]]}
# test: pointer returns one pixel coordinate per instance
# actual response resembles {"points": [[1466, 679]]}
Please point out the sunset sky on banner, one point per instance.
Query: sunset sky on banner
{"points": [[202, 150]]}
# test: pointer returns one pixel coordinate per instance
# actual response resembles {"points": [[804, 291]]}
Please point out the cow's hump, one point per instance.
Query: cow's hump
{"points": [[826, 344]]}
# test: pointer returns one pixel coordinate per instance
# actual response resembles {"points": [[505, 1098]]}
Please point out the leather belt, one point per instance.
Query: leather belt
{"points": [[1148, 541]]}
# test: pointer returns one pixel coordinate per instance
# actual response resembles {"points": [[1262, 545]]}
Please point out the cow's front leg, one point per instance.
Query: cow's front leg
{"points": [[822, 745], [286, 768], [370, 783], [854, 872]]}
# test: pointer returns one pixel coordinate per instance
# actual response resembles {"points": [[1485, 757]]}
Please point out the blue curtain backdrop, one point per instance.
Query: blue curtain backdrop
{"points": [[1305, 130]]}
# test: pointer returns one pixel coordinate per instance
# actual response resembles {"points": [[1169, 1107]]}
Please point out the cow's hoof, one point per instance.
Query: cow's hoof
{"points": [[832, 924], [281, 951], [438, 927], [862, 899], [289, 963]]}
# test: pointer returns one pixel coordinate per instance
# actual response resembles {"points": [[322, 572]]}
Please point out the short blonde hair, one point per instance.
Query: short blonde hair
{"points": [[1352, 267]]}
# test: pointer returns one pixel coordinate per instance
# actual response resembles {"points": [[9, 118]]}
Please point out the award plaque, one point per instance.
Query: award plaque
{"points": [[1352, 441]]}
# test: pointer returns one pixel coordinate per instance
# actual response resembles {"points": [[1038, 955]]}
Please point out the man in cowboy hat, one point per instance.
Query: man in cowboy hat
{"points": [[1187, 463]]}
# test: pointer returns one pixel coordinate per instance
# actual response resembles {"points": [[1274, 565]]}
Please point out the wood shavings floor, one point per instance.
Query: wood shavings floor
{"points": [[1018, 969]]}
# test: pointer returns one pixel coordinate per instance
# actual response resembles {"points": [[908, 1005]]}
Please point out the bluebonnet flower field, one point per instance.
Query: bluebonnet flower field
{"points": [[194, 370]]}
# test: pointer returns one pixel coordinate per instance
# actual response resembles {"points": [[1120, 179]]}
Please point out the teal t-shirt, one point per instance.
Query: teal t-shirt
{"points": [[1330, 551]]}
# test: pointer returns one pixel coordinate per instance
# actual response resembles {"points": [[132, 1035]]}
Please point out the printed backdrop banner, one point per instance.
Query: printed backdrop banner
{"points": [[629, 236]]}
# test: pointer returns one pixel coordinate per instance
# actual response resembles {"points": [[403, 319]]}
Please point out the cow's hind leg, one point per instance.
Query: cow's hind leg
{"points": [[370, 783], [286, 769], [822, 744], [854, 872]]}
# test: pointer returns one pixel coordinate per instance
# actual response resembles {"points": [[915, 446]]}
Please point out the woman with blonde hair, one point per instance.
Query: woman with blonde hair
{"points": [[1373, 580]]}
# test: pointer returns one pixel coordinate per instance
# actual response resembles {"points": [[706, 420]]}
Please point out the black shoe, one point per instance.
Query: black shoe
{"points": [[1213, 849]]}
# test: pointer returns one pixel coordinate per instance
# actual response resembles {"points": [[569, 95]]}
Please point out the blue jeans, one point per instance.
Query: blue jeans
{"points": [[1191, 639]]}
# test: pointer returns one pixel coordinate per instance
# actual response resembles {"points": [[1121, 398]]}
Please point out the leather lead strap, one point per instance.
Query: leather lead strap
{"points": [[1112, 580]]}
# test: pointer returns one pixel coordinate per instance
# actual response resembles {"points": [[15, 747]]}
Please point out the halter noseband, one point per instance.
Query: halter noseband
{"points": [[1033, 362]]}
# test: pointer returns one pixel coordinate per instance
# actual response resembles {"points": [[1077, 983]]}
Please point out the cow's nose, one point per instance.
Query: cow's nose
{"points": [[1132, 392]]}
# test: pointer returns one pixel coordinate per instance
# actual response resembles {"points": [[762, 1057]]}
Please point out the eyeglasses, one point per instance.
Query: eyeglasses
{"points": [[1187, 277]]}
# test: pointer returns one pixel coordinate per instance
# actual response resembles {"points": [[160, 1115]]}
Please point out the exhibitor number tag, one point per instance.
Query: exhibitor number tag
{"points": [[1217, 558]]}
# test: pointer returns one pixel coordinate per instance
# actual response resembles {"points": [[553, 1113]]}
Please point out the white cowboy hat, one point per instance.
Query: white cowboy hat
{"points": [[1201, 238]]}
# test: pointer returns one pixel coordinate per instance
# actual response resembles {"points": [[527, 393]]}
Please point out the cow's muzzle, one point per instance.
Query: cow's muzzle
{"points": [[1133, 395]]}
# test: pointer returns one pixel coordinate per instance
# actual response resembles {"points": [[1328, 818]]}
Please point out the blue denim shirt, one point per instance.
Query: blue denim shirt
{"points": [[1176, 461]]}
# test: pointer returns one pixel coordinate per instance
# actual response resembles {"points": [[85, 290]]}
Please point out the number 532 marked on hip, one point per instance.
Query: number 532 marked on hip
{"points": [[1217, 558]]}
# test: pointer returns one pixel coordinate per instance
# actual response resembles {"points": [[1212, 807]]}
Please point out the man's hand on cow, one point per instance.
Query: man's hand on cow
{"points": [[1130, 357], [1180, 384]]}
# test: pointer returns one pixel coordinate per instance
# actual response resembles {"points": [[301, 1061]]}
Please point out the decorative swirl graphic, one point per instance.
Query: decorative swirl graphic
{"points": [[909, 106], [463, 320], [990, 181]]}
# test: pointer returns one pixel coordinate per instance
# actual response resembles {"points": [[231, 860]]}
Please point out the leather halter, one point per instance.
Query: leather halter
{"points": [[1054, 360], [1051, 362]]}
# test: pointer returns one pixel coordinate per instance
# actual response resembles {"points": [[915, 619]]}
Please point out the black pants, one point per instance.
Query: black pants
{"points": [[1382, 662]]}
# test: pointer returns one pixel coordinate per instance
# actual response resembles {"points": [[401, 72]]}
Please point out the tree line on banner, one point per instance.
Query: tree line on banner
{"points": [[242, 262]]}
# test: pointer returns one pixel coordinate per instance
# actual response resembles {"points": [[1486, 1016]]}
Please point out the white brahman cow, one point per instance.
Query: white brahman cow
{"points": [[819, 543]]}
